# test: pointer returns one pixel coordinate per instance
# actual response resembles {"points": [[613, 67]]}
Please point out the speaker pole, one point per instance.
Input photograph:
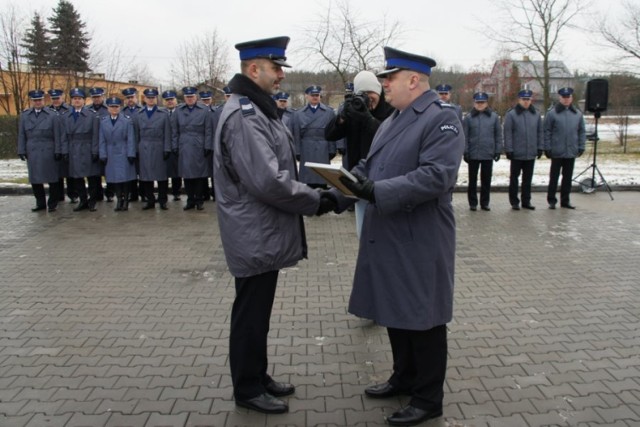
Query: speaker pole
{"points": [[589, 184]]}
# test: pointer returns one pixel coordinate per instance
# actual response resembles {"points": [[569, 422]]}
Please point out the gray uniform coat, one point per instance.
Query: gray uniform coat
{"points": [[405, 269], [153, 137], [258, 198], [483, 135], [523, 135], [310, 143], [117, 143], [192, 134], [172, 161], [564, 132], [80, 140], [39, 139]]}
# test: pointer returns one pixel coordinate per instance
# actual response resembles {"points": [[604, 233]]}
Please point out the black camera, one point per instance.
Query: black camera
{"points": [[360, 102]]}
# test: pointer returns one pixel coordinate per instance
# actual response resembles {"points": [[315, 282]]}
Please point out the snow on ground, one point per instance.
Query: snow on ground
{"points": [[616, 169]]}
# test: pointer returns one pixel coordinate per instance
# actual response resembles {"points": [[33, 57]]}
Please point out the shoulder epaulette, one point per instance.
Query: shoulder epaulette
{"points": [[246, 106]]}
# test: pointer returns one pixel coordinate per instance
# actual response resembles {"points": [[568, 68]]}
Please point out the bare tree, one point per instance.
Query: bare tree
{"points": [[345, 44], [15, 79], [624, 35], [109, 59], [140, 73], [201, 61], [534, 28]]}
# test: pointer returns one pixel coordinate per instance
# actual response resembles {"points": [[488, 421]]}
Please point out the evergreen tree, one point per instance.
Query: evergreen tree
{"points": [[37, 43], [70, 40]]}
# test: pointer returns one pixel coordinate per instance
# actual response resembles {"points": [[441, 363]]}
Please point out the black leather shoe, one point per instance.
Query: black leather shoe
{"points": [[52, 208], [163, 206], [82, 206], [485, 208], [176, 198], [552, 205], [516, 207], [38, 208], [92, 207], [119, 205], [530, 207], [410, 416], [148, 206], [73, 200], [199, 206], [384, 390], [473, 208], [280, 389], [189, 207], [264, 403], [567, 206]]}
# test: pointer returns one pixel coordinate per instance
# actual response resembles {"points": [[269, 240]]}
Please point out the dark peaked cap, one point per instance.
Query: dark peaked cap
{"points": [[272, 49], [397, 60]]}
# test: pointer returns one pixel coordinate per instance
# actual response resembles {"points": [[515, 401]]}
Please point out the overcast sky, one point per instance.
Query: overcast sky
{"points": [[450, 31]]}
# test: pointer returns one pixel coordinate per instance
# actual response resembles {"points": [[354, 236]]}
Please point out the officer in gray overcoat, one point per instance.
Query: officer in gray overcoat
{"points": [[282, 101], [39, 145], [118, 151], [260, 206], [564, 140], [60, 108], [523, 142], [483, 135], [170, 104], [444, 92], [192, 140], [308, 135], [153, 137], [206, 98], [404, 274], [100, 109], [129, 108], [80, 136]]}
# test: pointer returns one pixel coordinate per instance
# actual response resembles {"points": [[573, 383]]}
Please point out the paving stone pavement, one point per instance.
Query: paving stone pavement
{"points": [[121, 319]]}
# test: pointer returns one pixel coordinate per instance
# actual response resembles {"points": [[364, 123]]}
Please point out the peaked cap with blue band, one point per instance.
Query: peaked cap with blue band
{"points": [[76, 92], [36, 94], [480, 97], [525, 93], [565, 91], [151, 92], [205, 94], [130, 91], [272, 49], [55, 93], [96, 91], [189, 90], [168, 94], [114, 100], [443, 88], [397, 60]]}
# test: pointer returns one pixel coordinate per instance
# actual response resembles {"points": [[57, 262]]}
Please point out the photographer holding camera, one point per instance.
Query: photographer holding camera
{"points": [[357, 122]]}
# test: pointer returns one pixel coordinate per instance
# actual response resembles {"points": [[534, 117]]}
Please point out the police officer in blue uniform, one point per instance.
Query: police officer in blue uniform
{"points": [[404, 274], [153, 138], [192, 140], [100, 109], [39, 145], [286, 113], [309, 125], [444, 92], [130, 108], [79, 140], [483, 135], [59, 107], [169, 99], [260, 206], [564, 140], [117, 147], [523, 142], [206, 97]]}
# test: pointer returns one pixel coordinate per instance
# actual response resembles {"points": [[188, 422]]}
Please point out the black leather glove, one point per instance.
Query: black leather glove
{"points": [[57, 157], [363, 188], [580, 153], [509, 155], [23, 157], [465, 157], [547, 154], [65, 157], [332, 156], [540, 153], [131, 160], [496, 157], [95, 158], [166, 155], [341, 151], [328, 203], [208, 153]]}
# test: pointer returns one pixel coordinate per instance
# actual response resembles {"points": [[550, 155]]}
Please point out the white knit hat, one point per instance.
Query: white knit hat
{"points": [[366, 81]]}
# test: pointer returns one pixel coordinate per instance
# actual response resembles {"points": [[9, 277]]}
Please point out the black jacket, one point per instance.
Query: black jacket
{"points": [[358, 131]]}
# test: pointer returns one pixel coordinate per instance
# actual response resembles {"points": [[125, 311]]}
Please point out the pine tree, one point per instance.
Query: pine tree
{"points": [[38, 44], [70, 40]]}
